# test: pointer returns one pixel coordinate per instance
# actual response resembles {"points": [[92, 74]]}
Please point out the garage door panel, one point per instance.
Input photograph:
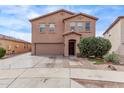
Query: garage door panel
{"points": [[49, 49]]}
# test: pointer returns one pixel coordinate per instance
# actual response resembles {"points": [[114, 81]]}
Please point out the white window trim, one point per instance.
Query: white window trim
{"points": [[42, 26], [74, 25], [54, 27], [78, 26], [89, 27]]}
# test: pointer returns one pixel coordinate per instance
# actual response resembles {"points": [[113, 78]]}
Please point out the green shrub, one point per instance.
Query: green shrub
{"points": [[114, 58], [2, 52], [94, 46]]}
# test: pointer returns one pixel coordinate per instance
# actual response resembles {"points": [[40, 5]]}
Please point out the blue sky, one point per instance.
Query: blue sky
{"points": [[14, 20]]}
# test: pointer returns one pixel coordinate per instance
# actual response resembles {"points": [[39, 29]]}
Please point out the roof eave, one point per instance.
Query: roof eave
{"points": [[51, 13], [95, 18], [71, 33], [113, 24]]}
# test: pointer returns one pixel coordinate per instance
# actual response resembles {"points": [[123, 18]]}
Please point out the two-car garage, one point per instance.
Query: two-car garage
{"points": [[49, 49]]}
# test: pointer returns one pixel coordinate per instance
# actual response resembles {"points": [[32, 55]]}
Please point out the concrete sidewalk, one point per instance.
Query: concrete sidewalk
{"points": [[54, 77], [26, 71], [101, 75]]}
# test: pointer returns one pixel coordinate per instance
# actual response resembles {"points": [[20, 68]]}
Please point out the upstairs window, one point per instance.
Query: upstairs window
{"points": [[51, 27], [42, 27], [72, 26], [80, 26], [87, 26]]}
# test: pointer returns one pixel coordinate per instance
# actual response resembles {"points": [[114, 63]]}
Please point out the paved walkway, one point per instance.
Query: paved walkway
{"points": [[38, 71]]}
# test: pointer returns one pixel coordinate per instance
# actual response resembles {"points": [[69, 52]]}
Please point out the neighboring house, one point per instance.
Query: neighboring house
{"points": [[59, 32], [115, 33], [13, 45]]}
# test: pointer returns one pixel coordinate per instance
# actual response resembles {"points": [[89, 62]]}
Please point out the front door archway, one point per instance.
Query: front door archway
{"points": [[72, 46]]}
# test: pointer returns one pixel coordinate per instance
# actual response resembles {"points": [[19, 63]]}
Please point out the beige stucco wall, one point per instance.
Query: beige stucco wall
{"points": [[47, 36], [122, 30], [10, 46], [114, 35], [84, 19], [121, 47], [4, 44]]}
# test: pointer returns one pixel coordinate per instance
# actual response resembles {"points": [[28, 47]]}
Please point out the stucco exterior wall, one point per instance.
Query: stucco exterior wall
{"points": [[114, 35], [4, 44], [122, 30], [14, 47], [83, 19], [121, 47], [47, 36]]}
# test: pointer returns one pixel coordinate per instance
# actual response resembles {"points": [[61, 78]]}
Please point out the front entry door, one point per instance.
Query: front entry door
{"points": [[71, 47]]}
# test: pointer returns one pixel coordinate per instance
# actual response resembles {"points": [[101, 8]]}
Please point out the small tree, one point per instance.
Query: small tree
{"points": [[94, 46], [2, 52]]}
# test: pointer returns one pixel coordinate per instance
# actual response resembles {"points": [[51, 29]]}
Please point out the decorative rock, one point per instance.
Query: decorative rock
{"points": [[112, 67]]}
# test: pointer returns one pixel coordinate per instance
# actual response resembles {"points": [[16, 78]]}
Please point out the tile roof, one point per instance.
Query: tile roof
{"points": [[83, 14], [12, 38], [67, 33], [61, 10]]}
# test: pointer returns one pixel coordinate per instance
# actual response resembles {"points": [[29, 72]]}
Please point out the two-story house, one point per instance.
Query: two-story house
{"points": [[115, 33], [59, 32]]}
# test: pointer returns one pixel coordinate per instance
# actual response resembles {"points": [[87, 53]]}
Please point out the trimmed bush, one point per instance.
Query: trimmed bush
{"points": [[2, 52], [114, 58], [94, 46]]}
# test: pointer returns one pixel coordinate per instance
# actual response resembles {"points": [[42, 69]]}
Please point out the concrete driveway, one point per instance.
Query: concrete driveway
{"points": [[49, 71]]}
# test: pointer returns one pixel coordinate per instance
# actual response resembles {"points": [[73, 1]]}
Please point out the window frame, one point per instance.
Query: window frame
{"points": [[74, 29], [50, 27], [43, 28], [80, 28], [87, 28]]}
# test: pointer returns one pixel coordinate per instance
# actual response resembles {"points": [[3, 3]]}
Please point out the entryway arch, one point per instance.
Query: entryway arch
{"points": [[71, 40]]}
